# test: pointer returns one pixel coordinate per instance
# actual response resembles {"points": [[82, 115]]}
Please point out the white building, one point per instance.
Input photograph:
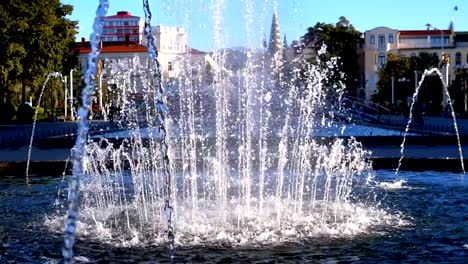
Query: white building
{"points": [[123, 26], [381, 41], [378, 42], [171, 43]]}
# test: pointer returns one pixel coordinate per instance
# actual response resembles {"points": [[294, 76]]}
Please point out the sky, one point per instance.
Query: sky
{"points": [[247, 22]]}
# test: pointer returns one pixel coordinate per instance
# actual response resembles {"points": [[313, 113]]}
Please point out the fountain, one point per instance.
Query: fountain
{"points": [[231, 159], [49, 76], [219, 157], [452, 112], [228, 164]]}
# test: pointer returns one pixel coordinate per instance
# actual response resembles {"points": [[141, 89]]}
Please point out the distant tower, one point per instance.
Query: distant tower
{"points": [[274, 48], [264, 43], [285, 48]]}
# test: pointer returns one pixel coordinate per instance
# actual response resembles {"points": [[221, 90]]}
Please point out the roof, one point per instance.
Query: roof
{"points": [[111, 47], [195, 51], [122, 14], [425, 32]]}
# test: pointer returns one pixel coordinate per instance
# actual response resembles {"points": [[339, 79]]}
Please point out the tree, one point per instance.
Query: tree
{"points": [[342, 40], [402, 68], [12, 51], [458, 91], [37, 39], [427, 61]]}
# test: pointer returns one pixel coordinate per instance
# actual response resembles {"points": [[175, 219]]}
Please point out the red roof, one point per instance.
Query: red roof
{"points": [[425, 32], [111, 47], [122, 14]]}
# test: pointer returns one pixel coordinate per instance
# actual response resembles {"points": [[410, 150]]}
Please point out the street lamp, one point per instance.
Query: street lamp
{"points": [[445, 61], [72, 114]]}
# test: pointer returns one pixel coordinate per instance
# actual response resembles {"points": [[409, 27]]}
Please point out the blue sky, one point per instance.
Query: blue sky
{"points": [[294, 16]]}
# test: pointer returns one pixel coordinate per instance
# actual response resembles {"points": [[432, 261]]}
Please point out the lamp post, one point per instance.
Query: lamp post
{"points": [[72, 114], [65, 104], [445, 57], [415, 80], [445, 61]]}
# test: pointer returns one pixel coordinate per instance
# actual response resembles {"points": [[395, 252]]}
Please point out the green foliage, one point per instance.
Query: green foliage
{"points": [[458, 90], [54, 96], [342, 41], [426, 60], [399, 67], [37, 39], [402, 68]]}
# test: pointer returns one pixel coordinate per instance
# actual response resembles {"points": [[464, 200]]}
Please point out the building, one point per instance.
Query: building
{"points": [[381, 41], [378, 42], [171, 43], [123, 26], [111, 50], [123, 38]]}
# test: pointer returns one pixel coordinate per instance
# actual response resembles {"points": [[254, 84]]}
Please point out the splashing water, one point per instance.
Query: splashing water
{"points": [[449, 102], [49, 76], [83, 128], [245, 167], [305, 189], [160, 108]]}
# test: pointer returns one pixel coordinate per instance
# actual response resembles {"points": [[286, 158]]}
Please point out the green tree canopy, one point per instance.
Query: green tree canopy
{"points": [[342, 41], [402, 68], [37, 39]]}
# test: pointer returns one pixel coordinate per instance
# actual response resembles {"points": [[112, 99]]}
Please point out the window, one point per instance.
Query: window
{"points": [[413, 55], [458, 58], [372, 39], [390, 38], [169, 66], [467, 58], [381, 59], [382, 43], [125, 23], [439, 41]]}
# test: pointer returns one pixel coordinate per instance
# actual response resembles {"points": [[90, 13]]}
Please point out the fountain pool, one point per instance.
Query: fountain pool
{"points": [[429, 224]]}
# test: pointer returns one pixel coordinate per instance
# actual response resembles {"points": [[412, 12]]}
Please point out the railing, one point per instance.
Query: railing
{"points": [[16, 136], [364, 106], [373, 114]]}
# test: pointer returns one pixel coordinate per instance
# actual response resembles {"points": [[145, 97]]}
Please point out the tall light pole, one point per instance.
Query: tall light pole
{"points": [[72, 114], [415, 80], [445, 61], [65, 81]]}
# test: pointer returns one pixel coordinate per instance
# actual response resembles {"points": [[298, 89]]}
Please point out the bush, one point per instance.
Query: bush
{"points": [[7, 111]]}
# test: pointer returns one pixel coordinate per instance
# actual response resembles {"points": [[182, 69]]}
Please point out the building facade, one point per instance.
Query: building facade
{"points": [[378, 43], [381, 41], [171, 43], [123, 26], [111, 50]]}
